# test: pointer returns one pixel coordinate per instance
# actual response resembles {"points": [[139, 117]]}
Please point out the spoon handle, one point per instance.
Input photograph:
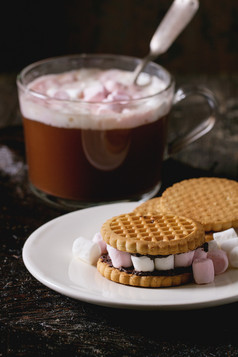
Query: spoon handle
{"points": [[176, 19], [139, 68]]}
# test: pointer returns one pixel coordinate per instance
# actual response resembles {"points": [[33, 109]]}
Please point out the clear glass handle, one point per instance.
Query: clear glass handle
{"points": [[201, 129]]}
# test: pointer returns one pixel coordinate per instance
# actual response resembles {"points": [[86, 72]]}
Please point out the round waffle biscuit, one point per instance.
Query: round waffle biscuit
{"points": [[150, 206], [157, 234], [211, 201], [148, 281]]}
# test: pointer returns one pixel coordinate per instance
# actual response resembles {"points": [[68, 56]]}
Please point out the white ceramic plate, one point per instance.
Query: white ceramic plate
{"points": [[47, 256]]}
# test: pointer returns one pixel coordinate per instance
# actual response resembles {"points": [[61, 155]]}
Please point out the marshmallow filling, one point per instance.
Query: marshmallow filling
{"points": [[162, 266], [176, 271]]}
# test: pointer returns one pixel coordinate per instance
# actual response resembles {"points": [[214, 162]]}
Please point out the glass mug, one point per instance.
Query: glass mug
{"points": [[82, 153]]}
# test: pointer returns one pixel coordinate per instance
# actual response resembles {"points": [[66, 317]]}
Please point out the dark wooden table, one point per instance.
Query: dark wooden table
{"points": [[36, 321]]}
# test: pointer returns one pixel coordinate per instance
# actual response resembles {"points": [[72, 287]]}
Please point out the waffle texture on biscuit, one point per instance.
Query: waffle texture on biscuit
{"points": [[211, 201], [157, 234]]}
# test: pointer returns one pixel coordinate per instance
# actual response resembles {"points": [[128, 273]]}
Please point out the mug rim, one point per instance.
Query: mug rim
{"points": [[34, 93]]}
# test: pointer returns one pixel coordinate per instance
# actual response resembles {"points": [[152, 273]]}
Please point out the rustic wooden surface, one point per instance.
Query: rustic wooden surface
{"points": [[36, 321]]}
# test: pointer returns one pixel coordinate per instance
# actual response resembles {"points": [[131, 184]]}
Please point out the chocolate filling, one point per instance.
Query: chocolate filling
{"points": [[176, 271]]}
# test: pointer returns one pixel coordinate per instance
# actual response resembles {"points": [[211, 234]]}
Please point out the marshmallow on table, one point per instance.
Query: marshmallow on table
{"points": [[97, 238], [142, 263], [229, 244], [183, 259], [165, 263], [86, 250], [222, 236], [203, 271], [233, 257], [219, 259], [119, 259]]}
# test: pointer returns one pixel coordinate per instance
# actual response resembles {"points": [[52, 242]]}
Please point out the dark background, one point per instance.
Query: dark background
{"points": [[36, 321], [32, 30]]}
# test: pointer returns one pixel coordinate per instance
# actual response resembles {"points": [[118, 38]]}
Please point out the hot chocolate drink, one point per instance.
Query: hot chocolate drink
{"points": [[92, 136], [97, 165]]}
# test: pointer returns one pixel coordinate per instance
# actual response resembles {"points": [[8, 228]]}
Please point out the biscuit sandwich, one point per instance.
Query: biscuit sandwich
{"points": [[150, 250]]}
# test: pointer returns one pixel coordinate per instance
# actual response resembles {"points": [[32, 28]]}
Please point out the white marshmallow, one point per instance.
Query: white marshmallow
{"points": [[233, 257], [95, 94], [212, 245], [97, 238], [142, 263], [165, 263], [229, 244], [86, 250], [220, 237]]}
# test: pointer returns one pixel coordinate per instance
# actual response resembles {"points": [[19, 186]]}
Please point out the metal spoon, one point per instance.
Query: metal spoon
{"points": [[176, 19]]}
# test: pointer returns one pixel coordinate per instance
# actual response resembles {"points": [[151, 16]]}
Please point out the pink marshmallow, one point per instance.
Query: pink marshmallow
{"points": [[112, 86], [219, 259], [119, 259], [199, 253], [61, 94], [110, 106], [97, 238], [68, 77], [203, 271], [183, 259], [95, 94], [41, 86], [118, 96]]}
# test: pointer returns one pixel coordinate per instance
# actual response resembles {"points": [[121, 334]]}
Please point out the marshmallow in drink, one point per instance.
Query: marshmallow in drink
{"points": [[183, 259], [220, 237], [165, 263], [86, 250], [142, 263], [219, 259], [119, 259], [203, 271], [104, 90], [233, 257], [97, 93], [97, 238], [229, 244]]}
